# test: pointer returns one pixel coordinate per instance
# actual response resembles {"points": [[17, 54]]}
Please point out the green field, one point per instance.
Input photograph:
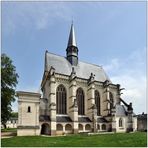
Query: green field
{"points": [[138, 139]]}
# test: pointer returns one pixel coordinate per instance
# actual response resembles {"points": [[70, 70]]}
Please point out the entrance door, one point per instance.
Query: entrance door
{"points": [[45, 129]]}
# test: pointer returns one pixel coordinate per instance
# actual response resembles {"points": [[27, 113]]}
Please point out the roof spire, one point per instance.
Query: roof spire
{"points": [[72, 50], [72, 39]]}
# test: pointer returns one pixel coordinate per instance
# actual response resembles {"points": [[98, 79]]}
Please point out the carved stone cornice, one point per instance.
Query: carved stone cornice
{"points": [[62, 79], [82, 83], [80, 80], [98, 85], [113, 86], [62, 76]]}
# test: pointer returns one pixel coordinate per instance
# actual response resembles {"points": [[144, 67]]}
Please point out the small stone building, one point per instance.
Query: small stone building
{"points": [[12, 122], [142, 122], [77, 97]]}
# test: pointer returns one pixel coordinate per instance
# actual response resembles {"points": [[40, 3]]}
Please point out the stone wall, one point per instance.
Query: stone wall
{"points": [[28, 113]]}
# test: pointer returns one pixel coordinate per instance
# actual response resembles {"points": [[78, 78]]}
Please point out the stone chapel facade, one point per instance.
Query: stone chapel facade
{"points": [[77, 97]]}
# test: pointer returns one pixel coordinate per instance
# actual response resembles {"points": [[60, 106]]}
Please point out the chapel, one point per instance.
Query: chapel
{"points": [[77, 97]]}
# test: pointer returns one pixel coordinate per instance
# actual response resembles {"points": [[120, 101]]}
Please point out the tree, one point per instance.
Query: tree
{"points": [[8, 84], [14, 114]]}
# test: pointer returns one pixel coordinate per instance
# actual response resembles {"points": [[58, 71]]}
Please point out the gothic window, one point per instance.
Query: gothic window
{"points": [[120, 122], [29, 109], [97, 101], [80, 101], [111, 102], [61, 100]]}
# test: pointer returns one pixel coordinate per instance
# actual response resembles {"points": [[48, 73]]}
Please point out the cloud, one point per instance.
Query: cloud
{"points": [[35, 15], [35, 87], [131, 74], [135, 90], [114, 64], [41, 15]]}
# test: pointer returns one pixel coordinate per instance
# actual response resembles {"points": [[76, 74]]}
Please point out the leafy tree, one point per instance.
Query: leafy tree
{"points": [[14, 114], [8, 84]]}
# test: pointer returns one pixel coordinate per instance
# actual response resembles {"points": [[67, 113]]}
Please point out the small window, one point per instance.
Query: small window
{"points": [[120, 122], [29, 109]]}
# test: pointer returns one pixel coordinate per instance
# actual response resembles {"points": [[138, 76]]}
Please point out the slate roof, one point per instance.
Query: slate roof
{"points": [[120, 110], [83, 70], [83, 119], [63, 119], [44, 118], [101, 120]]}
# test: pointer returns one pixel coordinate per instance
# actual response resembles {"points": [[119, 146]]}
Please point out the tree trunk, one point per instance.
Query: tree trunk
{"points": [[4, 126]]}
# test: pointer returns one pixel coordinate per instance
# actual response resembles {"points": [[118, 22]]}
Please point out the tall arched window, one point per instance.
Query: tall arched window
{"points": [[97, 101], [111, 102], [61, 100], [120, 122], [80, 101]]}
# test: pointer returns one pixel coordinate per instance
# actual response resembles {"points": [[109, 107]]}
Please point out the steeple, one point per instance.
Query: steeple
{"points": [[72, 50], [72, 39]]}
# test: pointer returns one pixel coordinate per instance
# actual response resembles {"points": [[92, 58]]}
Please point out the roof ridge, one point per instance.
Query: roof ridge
{"points": [[56, 60], [79, 61], [91, 64], [55, 54]]}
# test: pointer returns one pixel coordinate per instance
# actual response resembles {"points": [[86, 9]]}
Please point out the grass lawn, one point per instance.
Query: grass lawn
{"points": [[138, 139]]}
